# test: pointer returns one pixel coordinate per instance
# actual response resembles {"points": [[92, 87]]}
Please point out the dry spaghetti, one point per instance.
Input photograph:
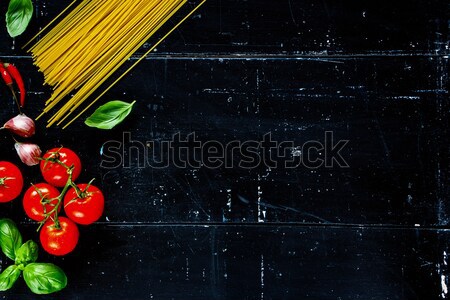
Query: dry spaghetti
{"points": [[91, 42]]}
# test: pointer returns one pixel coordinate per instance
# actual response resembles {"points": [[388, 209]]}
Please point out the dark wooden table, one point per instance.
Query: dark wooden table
{"points": [[374, 73]]}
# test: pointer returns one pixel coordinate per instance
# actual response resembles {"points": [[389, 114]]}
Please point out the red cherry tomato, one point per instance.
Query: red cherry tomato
{"points": [[56, 174], [11, 181], [85, 208], [59, 241], [32, 201]]}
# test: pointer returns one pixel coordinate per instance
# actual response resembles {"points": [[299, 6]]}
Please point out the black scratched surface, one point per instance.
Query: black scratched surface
{"points": [[374, 73]]}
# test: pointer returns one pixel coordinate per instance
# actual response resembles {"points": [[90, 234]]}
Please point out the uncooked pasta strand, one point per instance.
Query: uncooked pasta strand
{"points": [[137, 62], [116, 60], [49, 24], [61, 90], [92, 42], [80, 73], [102, 77]]}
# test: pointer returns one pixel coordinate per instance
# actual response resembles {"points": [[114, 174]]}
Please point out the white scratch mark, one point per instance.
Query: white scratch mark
{"points": [[267, 174], [229, 199], [261, 208], [204, 274], [444, 286], [262, 276], [187, 268], [444, 279]]}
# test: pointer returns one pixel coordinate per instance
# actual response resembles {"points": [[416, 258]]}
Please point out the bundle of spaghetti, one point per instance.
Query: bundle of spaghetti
{"points": [[91, 42]]}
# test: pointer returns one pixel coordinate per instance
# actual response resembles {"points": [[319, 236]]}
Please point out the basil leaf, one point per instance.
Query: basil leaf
{"points": [[8, 277], [27, 253], [109, 115], [10, 238], [18, 16], [44, 278]]}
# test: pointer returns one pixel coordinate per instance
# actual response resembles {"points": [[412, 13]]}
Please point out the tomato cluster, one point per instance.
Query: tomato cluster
{"points": [[83, 203]]}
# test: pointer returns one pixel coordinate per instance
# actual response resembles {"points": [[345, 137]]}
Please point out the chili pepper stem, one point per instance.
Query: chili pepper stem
{"points": [[15, 98]]}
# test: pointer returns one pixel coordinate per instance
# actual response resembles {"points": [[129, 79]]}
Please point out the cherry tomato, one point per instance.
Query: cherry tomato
{"points": [[32, 201], [56, 174], [59, 241], [85, 208], [11, 181]]}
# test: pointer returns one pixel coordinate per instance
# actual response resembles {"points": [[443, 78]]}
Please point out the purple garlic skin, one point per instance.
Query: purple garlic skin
{"points": [[21, 125], [29, 153]]}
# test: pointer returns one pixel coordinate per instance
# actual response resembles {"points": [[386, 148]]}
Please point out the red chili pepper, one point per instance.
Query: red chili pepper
{"points": [[9, 81], [14, 72], [5, 75]]}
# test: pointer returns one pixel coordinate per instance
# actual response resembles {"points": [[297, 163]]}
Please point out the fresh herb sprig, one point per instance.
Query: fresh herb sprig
{"points": [[41, 278]]}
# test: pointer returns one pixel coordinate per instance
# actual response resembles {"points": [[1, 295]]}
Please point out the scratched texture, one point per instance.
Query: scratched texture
{"points": [[374, 73]]}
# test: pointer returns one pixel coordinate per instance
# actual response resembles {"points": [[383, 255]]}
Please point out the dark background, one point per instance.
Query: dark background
{"points": [[372, 72]]}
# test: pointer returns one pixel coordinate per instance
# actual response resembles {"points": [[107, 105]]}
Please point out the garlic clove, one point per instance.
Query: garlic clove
{"points": [[29, 153], [21, 125]]}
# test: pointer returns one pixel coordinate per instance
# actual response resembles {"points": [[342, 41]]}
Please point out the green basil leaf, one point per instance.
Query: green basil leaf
{"points": [[109, 115], [8, 277], [27, 253], [44, 278], [18, 16], [10, 238]]}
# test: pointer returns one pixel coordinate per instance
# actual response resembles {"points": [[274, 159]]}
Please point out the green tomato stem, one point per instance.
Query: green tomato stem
{"points": [[3, 180], [60, 198]]}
